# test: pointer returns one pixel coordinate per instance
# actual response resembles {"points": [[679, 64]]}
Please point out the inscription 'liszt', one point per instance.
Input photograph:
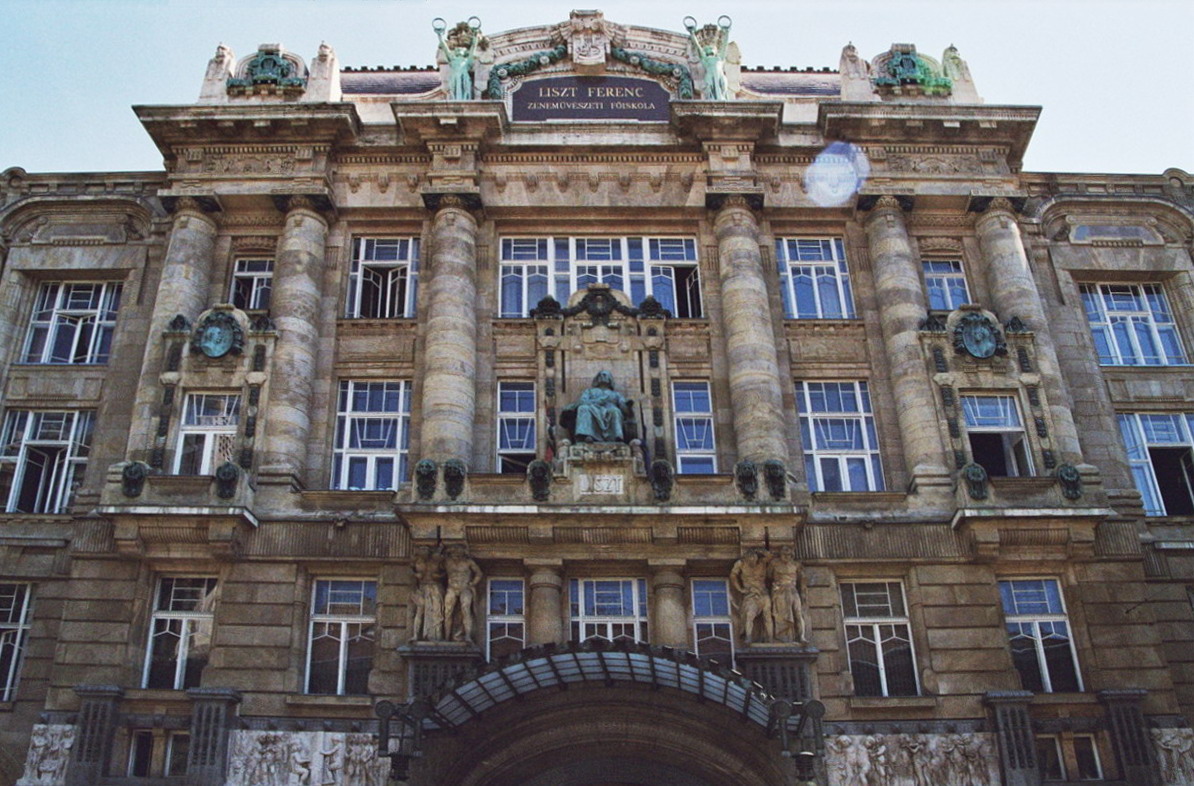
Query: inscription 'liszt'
{"points": [[546, 91]]}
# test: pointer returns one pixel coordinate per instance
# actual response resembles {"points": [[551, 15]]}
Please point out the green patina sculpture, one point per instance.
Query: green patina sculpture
{"points": [[641, 60], [460, 56], [268, 67], [600, 411], [906, 67], [522, 68], [711, 43]]}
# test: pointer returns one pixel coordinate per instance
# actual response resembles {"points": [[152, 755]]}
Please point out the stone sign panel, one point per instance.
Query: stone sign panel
{"points": [[590, 98]]}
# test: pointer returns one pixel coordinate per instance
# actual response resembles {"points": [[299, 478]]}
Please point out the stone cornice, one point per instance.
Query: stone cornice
{"points": [[171, 127], [727, 121]]}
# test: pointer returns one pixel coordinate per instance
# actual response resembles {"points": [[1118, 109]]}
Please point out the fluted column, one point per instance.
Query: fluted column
{"points": [[1014, 294], [902, 307], [669, 621], [297, 289], [756, 391], [545, 622], [450, 349], [186, 269]]}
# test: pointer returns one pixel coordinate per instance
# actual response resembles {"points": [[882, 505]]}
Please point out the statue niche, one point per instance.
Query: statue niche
{"points": [[601, 414]]}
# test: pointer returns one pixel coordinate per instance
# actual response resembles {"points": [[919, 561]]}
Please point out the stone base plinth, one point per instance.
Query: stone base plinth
{"points": [[434, 664]]}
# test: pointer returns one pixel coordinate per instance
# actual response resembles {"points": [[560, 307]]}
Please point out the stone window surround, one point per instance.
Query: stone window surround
{"points": [[864, 415], [504, 618], [957, 273], [343, 454], [251, 288], [189, 622], [637, 619], [708, 451], [1017, 455], [69, 463], [398, 277], [875, 622], [519, 418], [836, 269], [1065, 745], [163, 759], [58, 314], [208, 434], [1094, 295], [713, 622], [345, 622], [1140, 460]]}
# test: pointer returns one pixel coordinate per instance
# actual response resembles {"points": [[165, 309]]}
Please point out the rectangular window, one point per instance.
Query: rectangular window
{"points": [[996, 436], [15, 600], [180, 633], [712, 623], [1161, 454], [695, 446], [252, 280], [945, 284], [1132, 325], [343, 629], [1087, 765], [664, 268], [207, 437], [505, 618], [1042, 647], [879, 639], [814, 278], [383, 278], [372, 435], [613, 609], [154, 753], [72, 323], [1049, 758], [43, 456], [837, 429], [516, 427]]}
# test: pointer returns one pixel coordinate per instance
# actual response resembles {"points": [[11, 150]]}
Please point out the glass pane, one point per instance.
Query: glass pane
{"points": [[163, 657], [325, 658]]}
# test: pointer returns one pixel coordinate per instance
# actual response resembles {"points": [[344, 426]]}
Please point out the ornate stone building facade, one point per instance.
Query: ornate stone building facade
{"points": [[595, 409]]}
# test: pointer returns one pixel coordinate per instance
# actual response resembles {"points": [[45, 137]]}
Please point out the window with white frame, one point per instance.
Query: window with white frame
{"points": [[1048, 757], [712, 623], [879, 639], [695, 446], [665, 268], [180, 633], [1039, 632], [72, 323], [43, 456], [837, 430], [1132, 325], [1068, 757], [15, 602], [157, 753], [996, 436], [814, 278], [207, 436], [505, 618], [383, 278], [1160, 450], [613, 609], [372, 435], [945, 284], [252, 282], [343, 631], [516, 427]]}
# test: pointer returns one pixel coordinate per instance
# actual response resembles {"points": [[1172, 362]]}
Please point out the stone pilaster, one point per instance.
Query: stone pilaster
{"points": [[902, 307], [545, 621], [669, 621], [756, 391], [96, 727], [1014, 294], [450, 349], [297, 289], [213, 714], [1130, 737], [1017, 744]]}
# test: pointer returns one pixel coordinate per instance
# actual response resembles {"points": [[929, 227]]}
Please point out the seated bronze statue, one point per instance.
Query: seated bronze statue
{"points": [[601, 414]]}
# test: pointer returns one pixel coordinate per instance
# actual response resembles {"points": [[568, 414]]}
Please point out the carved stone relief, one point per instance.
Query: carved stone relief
{"points": [[1175, 755], [48, 756], [278, 758], [911, 760]]}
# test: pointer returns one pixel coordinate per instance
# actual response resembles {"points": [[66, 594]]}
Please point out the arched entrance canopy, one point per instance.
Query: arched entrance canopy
{"points": [[611, 663]]}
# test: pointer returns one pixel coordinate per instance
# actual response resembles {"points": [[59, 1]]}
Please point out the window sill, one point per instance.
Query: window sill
{"points": [[892, 702], [6, 706], [327, 700], [868, 497], [1050, 699]]}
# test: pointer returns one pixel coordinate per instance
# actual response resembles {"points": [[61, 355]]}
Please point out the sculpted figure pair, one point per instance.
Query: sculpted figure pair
{"points": [[769, 585], [445, 589]]}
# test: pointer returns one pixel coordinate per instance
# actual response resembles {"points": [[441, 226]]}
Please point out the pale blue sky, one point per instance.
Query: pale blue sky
{"points": [[1113, 77]]}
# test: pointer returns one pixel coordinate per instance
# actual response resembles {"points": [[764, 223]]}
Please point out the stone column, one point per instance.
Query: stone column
{"points": [[186, 269], [1014, 294], [297, 289], [95, 730], [212, 719], [669, 620], [450, 348], [1129, 736], [545, 611], [902, 307], [1013, 729], [756, 390]]}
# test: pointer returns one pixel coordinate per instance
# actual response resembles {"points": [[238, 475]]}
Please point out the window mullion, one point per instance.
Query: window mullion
{"points": [[180, 662], [342, 662], [880, 660]]}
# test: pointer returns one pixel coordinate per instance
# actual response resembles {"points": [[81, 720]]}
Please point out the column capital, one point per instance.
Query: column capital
{"points": [[195, 204], [880, 203], [442, 200], [314, 203], [742, 200]]}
